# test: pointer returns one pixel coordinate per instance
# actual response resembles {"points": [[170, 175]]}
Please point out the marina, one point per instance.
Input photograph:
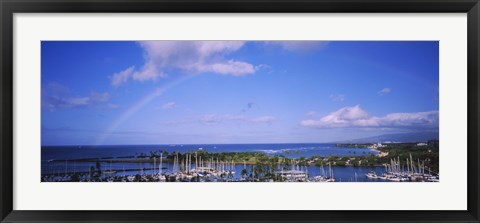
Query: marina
{"points": [[202, 166]]}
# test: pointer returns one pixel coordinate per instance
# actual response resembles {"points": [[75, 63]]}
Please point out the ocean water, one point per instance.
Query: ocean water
{"points": [[288, 150]]}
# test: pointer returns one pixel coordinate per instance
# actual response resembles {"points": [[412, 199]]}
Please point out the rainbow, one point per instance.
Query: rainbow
{"points": [[137, 106]]}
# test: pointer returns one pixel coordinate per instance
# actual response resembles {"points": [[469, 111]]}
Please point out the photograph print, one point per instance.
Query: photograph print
{"points": [[240, 111]]}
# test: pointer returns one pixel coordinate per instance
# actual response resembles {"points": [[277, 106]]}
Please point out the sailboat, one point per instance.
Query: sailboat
{"points": [[371, 175], [109, 171], [330, 178]]}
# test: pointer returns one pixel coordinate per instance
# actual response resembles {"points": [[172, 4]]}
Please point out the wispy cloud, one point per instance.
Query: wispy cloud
{"points": [[338, 97], [99, 97], [356, 117], [56, 96], [121, 77], [188, 56], [215, 119], [311, 113], [299, 46], [384, 91], [169, 105], [264, 68]]}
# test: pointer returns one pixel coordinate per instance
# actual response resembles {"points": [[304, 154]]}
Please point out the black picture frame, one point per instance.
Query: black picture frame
{"points": [[9, 7]]}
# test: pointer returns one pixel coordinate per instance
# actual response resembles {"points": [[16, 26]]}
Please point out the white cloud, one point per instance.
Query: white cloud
{"points": [[217, 119], [52, 100], [188, 56], [56, 96], [357, 117], [263, 66], [77, 102], [148, 72], [338, 97], [231, 67], [261, 119], [299, 46], [384, 91], [121, 77], [168, 105]]}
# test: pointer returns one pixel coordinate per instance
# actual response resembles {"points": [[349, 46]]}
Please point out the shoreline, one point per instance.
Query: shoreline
{"points": [[380, 153]]}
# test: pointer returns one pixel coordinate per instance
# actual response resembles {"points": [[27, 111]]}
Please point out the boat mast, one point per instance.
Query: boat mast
{"points": [[154, 164], [160, 167]]}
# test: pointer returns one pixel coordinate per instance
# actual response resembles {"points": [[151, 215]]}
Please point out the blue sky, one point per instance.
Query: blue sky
{"points": [[187, 92]]}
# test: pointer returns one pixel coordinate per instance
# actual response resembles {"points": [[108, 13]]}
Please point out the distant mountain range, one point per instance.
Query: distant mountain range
{"points": [[400, 137]]}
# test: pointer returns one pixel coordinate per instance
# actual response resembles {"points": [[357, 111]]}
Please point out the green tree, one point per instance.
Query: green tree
{"points": [[244, 173]]}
